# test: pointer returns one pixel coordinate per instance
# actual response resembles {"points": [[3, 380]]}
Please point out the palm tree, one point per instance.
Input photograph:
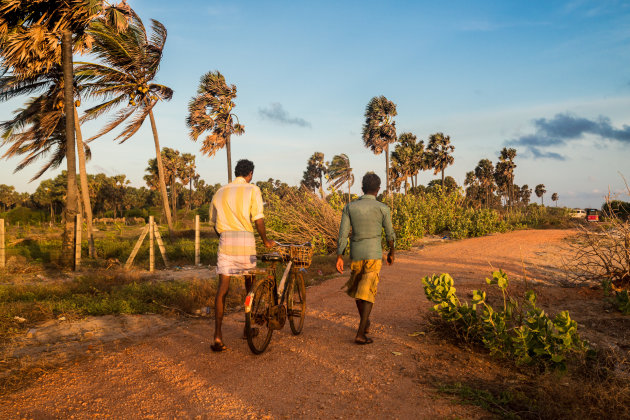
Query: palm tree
{"points": [[211, 110], [484, 171], [313, 176], [555, 197], [379, 129], [129, 61], [540, 191], [505, 171], [408, 158], [38, 37], [340, 172], [439, 153], [37, 130]]}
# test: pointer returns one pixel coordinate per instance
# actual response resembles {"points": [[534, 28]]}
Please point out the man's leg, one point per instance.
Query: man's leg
{"points": [[364, 308], [219, 306]]}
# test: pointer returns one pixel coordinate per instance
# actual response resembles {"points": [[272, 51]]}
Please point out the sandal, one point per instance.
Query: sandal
{"points": [[367, 340], [218, 346]]}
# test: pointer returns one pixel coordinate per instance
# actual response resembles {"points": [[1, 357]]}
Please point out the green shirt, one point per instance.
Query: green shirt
{"points": [[367, 217]]}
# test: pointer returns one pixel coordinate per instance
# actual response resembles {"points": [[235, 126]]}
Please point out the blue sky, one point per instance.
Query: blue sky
{"points": [[550, 78]]}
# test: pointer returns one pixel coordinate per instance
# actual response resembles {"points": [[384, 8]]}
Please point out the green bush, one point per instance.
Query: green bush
{"points": [[522, 332], [24, 216]]}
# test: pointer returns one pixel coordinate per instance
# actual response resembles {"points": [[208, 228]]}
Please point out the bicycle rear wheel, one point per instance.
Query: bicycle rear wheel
{"points": [[257, 318], [296, 302]]}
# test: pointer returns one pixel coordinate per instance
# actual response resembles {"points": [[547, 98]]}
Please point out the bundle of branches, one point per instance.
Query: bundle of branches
{"points": [[602, 253], [301, 216]]}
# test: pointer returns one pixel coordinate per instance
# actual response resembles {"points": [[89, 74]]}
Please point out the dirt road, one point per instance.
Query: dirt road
{"points": [[319, 374]]}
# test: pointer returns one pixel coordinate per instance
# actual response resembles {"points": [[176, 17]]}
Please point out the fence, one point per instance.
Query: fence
{"points": [[151, 229]]}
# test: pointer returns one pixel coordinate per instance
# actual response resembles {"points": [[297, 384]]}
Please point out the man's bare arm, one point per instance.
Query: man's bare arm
{"points": [[390, 255], [260, 227]]}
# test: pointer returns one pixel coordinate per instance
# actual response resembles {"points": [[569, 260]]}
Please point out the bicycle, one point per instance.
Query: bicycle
{"points": [[269, 303]]}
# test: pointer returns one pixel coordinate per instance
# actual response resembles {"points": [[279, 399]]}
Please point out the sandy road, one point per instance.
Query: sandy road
{"points": [[319, 374]]}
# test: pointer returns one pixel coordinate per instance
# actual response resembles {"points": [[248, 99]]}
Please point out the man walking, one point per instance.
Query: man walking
{"points": [[233, 209], [367, 217]]}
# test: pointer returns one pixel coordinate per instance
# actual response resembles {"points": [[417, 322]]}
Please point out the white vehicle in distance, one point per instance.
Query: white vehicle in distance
{"points": [[578, 214]]}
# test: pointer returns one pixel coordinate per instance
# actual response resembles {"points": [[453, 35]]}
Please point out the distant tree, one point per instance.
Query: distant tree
{"points": [[379, 129], [524, 194], [448, 184], [407, 159], [340, 172], [211, 110], [555, 197], [474, 192], [439, 151], [313, 176], [484, 171], [540, 191], [504, 172]]}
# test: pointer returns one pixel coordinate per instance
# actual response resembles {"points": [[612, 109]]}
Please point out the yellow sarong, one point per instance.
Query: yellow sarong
{"points": [[364, 279]]}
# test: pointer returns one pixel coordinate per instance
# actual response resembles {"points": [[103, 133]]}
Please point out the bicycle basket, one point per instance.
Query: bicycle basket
{"points": [[300, 255]]}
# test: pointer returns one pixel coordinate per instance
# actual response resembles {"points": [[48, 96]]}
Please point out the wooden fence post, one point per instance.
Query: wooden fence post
{"points": [[137, 247], [2, 255], [78, 228], [161, 246], [151, 250], [197, 242]]}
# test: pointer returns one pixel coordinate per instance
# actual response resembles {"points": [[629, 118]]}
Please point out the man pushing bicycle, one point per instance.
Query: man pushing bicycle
{"points": [[233, 209], [367, 217]]}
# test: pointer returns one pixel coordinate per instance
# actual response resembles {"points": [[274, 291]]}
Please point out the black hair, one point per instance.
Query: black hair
{"points": [[371, 183], [244, 167]]}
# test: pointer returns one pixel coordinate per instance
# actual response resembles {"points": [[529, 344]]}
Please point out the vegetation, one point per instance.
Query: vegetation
{"points": [[518, 330], [339, 172], [379, 130], [211, 110], [439, 151], [313, 176]]}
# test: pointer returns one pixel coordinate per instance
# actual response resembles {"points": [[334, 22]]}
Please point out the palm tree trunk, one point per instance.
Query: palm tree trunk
{"points": [[321, 187], [67, 241], [84, 186], [158, 157], [173, 199], [442, 179], [229, 157]]}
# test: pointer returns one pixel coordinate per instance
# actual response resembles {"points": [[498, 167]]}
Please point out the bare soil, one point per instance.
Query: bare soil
{"points": [[157, 367]]}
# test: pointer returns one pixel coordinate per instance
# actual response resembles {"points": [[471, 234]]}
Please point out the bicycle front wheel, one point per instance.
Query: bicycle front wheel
{"points": [[257, 317], [296, 302]]}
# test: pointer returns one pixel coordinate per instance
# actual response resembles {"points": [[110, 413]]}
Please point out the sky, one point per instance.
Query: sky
{"points": [[549, 78]]}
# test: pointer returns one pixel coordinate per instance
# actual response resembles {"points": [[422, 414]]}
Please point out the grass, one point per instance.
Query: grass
{"points": [[104, 293]]}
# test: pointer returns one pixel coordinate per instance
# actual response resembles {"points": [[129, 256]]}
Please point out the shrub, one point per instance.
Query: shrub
{"points": [[520, 331]]}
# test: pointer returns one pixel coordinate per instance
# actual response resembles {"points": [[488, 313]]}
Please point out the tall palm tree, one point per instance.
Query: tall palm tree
{"points": [[540, 191], [340, 172], [408, 158], [555, 197], [379, 129], [211, 110], [505, 170], [484, 171], [129, 61], [439, 150], [37, 36]]}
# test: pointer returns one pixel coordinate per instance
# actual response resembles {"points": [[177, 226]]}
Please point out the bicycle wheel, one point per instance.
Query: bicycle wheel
{"points": [[257, 318], [296, 302]]}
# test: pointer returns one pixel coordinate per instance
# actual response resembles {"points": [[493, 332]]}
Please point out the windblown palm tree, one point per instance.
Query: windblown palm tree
{"points": [[379, 129], [37, 37], [555, 197], [211, 110], [129, 61], [439, 151], [340, 172]]}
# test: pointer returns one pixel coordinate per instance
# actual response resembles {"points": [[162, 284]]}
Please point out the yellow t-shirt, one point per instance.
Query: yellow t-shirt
{"points": [[235, 206]]}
